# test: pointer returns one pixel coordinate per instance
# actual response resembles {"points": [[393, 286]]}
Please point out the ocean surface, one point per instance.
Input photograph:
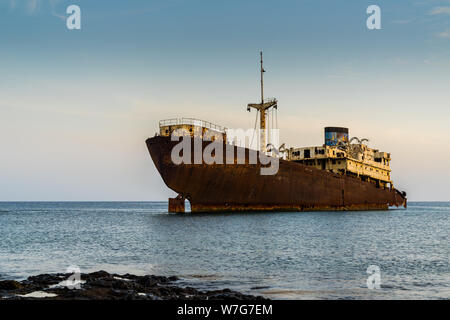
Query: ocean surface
{"points": [[304, 255]]}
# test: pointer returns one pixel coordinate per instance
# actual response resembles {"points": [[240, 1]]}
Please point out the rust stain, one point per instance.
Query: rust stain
{"points": [[176, 205]]}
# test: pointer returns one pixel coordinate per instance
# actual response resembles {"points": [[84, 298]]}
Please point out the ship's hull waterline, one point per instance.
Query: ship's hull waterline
{"points": [[241, 187]]}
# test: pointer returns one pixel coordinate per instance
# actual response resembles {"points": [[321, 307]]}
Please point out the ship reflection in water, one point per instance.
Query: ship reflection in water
{"points": [[294, 255]]}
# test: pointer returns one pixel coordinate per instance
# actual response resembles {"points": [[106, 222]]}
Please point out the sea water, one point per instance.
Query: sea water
{"points": [[281, 255]]}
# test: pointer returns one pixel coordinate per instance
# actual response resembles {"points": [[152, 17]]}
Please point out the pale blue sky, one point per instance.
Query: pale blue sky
{"points": [[77, 105]]}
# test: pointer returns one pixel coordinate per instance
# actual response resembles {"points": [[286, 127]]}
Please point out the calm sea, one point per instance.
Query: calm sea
{"points": [[317, 255]]}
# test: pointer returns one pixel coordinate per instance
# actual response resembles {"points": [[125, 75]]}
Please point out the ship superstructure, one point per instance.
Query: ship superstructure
{"points": [[343, 156]]}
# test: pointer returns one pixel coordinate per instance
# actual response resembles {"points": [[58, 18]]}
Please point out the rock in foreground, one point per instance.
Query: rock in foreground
{"points": [[101, 285]]}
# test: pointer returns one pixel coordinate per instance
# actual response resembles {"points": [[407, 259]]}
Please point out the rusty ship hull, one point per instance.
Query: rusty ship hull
{"points": [[241, 187]]}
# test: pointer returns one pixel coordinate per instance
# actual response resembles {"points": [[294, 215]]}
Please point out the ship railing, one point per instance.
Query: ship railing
{"points": [[192, 121], [272, 99]]}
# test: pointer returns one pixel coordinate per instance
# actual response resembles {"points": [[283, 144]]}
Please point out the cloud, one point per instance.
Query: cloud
{"points": [[53, 4], [12, 4], [32, 6], [444, 34], [439, 10]]}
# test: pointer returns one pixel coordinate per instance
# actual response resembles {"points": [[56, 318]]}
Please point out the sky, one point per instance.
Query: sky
{"points": [[77, 105]]}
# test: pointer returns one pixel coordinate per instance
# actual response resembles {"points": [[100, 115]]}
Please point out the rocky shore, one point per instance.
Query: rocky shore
{"points": [[101, 285]]}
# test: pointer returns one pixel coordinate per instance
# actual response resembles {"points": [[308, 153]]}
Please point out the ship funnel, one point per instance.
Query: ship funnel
{"points": [[336, 136]]}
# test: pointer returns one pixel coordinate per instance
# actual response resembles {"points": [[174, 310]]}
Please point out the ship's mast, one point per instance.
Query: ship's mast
{"points": [[262, 107], [262, 78]]}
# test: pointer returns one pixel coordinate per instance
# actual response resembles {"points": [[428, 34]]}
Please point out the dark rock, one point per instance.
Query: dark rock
{"points": [[97, 275], [147, 281], [47, 279], [101, 285], [122, 285], [259, 287], [10, 285], [130, 276]]}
